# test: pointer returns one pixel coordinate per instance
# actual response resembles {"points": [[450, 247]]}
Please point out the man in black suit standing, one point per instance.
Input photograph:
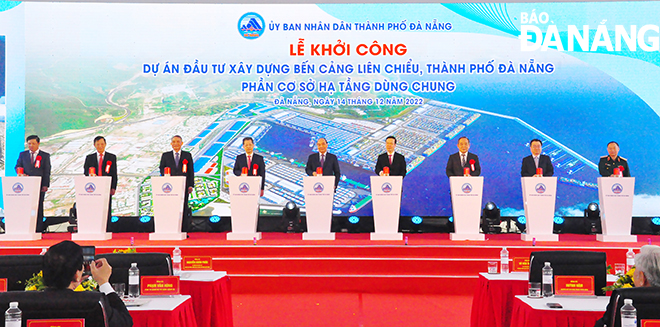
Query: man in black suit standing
{"points": [[327, 161], [395, 161], [254, 163], [463, 159], [536, 160], [35, 162], [180, 163], [104, 164]]}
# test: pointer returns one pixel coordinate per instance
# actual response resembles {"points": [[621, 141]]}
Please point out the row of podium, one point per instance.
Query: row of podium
{"points": [[21, 196]]}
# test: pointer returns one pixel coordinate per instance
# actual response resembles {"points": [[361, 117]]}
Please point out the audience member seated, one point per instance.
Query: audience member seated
{"points": [[63, 272], [647, 274]]}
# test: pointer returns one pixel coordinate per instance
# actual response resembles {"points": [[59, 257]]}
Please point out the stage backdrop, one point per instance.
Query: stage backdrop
{"points": [[575, 75]]}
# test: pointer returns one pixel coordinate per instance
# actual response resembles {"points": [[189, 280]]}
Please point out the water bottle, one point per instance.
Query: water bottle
{"points": [[13, 315], [504, 261], [176, 261], [628, 314], [547, 280], [630, 259], [134, 280]]}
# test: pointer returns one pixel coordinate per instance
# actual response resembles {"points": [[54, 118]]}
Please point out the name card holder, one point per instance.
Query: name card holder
{"points": [[159, 285], [574, 286], [68, 322], [520, 264], [197, 263]]}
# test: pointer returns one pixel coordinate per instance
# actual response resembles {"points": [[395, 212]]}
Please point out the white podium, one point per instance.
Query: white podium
{"points": [[92, 197], [319, 195], [539, 196], [244, 193], [615, 195], [466, 193], [21, 197], [386, 195], [168, 195]]}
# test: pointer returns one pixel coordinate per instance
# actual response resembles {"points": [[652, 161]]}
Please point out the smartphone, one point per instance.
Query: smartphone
{"points": [[554, 305], [88, 253]]}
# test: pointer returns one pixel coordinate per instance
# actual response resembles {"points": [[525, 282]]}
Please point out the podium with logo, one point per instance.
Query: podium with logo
{"points": [[168, 195], [539, 196], [319, 196], [21, 198], [92, 199], [386, 196], [615, 195], [244, 194], [466, 193]]}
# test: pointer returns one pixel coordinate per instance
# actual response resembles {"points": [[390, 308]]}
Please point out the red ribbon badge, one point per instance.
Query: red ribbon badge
{"points": [[107, 167], [185, 166], [472, 164], [37, 162], [254, 169]]}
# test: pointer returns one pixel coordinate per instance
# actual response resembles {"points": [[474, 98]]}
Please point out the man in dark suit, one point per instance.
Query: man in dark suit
{"points": [[35, 162], [327, 161], [608, 163], [63, 272], [180, 163], [104, 164], [395, 161], [463, 159], [536, 160], [249, 160]]}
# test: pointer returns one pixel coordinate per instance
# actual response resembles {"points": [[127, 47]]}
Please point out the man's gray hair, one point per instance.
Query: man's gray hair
{"points": [[648, 262]]}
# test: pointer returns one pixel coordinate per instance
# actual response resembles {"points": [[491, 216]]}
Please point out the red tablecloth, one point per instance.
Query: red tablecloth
{"points": [[493, 301], [211, 301], [181, 316], [525, 316]]}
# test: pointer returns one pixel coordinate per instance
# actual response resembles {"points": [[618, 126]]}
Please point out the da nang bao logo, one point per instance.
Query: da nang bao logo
{"points": [[387, 187], [167, 188], [251, 25], [617, 188], [244, 187], [90, 187], [17, 188], [318, 187], [466, 188], [540, 188]]}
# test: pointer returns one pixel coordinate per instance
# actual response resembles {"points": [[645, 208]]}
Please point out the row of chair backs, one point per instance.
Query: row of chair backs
{"points": [[18, 269], [571, 263], [150, 264], [645, 299], [57, 305]]}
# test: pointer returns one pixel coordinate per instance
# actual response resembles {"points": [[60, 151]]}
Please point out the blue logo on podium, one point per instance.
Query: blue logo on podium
{"points": [[387, 187], [466, 188], [90, 187], [17, 188], [167, 188], [540, 188], [244, 187], [617, 188], [318, 187]]}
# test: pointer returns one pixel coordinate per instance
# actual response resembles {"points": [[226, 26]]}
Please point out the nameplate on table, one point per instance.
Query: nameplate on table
{"points": [[650, 322], [159, 285], [79, 322], [520, 264], [197, 263], [3, 284], [574, 286]]}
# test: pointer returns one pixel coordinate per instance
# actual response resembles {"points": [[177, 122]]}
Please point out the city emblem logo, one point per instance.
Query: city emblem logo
{"points": [[90, 187], [251, 25], [466, 188], [244, 187], [17, 188], [617, 188], [540, 188], [387, 187], [318, 187], [167, 188]]}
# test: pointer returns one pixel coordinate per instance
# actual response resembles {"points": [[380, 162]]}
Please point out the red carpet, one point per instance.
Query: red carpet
{"points": [[350, 309]]}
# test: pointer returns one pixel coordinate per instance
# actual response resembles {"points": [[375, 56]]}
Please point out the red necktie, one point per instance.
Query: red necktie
{"points": [[100, 164], [250, 163], [390, 159]]}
